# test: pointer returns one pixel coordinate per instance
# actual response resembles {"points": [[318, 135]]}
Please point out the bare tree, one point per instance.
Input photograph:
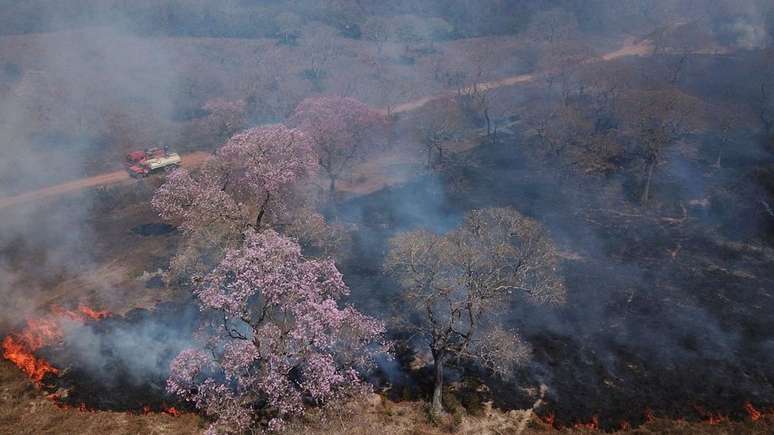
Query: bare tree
{"points": [[289, 27], [473, 90], [575, 137], [559, 64], [656, 120], [321, 50], [604, 84], [553, 25], [456, 285], [766, 108], [765, 101], [440, 122], [377, 29], [727, 118]]}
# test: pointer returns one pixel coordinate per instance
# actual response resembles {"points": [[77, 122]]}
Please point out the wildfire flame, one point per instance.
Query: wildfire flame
{"points": [[20, 347], [96, 315], [592, 425], [548, 419], [754, 413], [20, 353], [173, 412]]}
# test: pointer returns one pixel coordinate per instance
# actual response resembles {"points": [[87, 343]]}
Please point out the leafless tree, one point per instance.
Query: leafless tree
{"points": [[474, 89], [559, 64], [439, 123], [553, 25], [766, 108], [765, 100], [656, 120], [575, 137], [322, 49], [377, 29], [456, 285]]}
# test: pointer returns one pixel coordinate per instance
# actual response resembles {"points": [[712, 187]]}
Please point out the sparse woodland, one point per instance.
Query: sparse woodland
{"points": [[405, 216]]}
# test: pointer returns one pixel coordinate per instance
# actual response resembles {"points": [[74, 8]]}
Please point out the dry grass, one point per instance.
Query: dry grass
{"points": [[380, 416], [24, 410]]}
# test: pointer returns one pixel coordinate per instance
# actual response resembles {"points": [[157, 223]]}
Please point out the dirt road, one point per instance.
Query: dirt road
{"points": [[115, 177], [630, 48]]}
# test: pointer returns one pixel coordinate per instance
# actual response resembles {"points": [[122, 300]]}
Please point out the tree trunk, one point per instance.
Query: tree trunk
{"points": [[717, 162], [646, 192], [332, 187], [261, 212], [488, 123], [437, 407]]}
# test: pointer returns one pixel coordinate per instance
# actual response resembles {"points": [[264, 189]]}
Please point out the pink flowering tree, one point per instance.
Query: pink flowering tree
{"points": [[277, 341], [253, 181], [252, 175], [342, 131], [225, 116]]}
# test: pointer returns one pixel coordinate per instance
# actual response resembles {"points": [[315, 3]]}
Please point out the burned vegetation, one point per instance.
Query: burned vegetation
{"points": [[353, 216]]}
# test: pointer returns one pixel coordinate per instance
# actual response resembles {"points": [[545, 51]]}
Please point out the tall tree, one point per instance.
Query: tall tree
{"points": [[250, 182], [438, 123], [248, 178], [277, 338], [764, 103], [656, 120], [342, 131], [455, 286]]}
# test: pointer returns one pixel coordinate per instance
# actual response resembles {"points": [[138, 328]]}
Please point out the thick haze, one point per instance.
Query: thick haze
{"points": [[84, 81]]}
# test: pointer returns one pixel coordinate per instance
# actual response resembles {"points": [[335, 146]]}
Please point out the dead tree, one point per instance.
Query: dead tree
{"points": [[656, 120], [439, 123]]}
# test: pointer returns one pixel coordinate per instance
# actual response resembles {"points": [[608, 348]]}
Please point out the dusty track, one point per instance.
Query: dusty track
{"points": [[630, 48], [115, 177]]}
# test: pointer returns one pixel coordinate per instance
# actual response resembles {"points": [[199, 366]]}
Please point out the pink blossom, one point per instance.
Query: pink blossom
{"points": [[342, 130], [297, 344], [249, 177]]}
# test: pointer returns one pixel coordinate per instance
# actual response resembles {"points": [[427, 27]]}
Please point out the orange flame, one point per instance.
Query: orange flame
{"points": [[710, 417], [94, 314], [20, 347], [649, 417], [20, 353], [548, 419], [173, 412], [755, 414], [714, 419], [83, 408], [592, 425]]}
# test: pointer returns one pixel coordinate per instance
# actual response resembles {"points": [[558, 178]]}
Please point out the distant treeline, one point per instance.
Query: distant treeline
{"points": [[277, 18]]}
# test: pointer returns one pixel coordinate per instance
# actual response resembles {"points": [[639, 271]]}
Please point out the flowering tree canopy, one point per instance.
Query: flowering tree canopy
{"points": [[252, 181], [277, 340], [248, 177], [342, 129]]}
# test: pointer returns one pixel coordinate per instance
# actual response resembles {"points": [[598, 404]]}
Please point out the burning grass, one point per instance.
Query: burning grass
{"points": [[20, 347], [63, 407], [40, 349]]}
